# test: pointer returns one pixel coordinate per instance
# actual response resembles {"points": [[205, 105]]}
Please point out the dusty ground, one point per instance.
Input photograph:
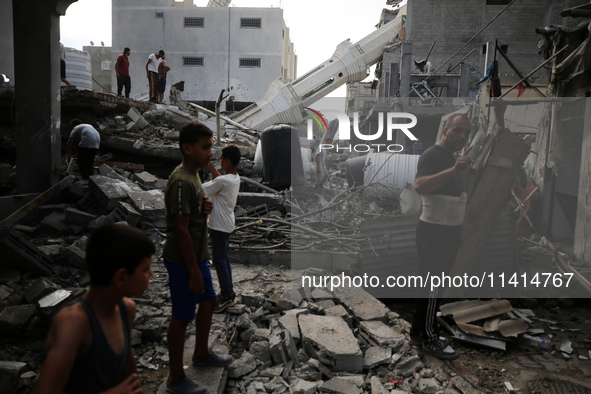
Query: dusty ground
{"points": [[491, 368]]}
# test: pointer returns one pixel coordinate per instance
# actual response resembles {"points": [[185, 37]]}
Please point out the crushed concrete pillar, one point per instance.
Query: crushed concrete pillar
{"points": [[330, 340]]}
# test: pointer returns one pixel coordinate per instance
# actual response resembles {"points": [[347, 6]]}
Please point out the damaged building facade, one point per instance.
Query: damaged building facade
{"points": [[241, 50]]}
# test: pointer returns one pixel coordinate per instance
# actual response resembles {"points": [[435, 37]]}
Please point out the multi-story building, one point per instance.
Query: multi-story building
{"points": [[240, 50]]}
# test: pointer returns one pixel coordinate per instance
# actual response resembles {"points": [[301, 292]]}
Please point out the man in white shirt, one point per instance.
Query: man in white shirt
{"points": [[90, 140], [222, 190], [152, 71]]}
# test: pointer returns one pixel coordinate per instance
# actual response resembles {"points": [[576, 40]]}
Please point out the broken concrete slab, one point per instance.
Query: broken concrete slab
{"points": [[137, 118], [9, 372], [109, 191], [339, 385], [242, 366], [375, 356], [380, 334], [290, 322], [330, 340], [301, 386], [39, 289], [145, 179], [361, 304], [408, 366], [429, 386], [14, 319], [151, 205]]}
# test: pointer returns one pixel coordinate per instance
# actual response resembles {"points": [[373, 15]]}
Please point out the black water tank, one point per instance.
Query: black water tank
{"points": [[282, 157]]}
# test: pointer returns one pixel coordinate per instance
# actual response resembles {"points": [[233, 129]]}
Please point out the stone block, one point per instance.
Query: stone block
{"points": [[242, 366], [377, 387], [150, 204], [5, 292], [109, 191], [125, 212], [330, 340], [429, 386], [339, 386], [14, 319], [137, 118], [39, 289], [252, 299], [408, 366], [362, 305], [380, 334], [54, 298], [145, 179], [290, 322], [375, 356], [9, 373], [261, 350], [340, 311], [321, 367]]}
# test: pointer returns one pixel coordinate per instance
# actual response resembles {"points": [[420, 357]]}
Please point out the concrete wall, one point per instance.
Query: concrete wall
{"points": [[221, 42], [103, 68], [7, 43], [453, 22]]}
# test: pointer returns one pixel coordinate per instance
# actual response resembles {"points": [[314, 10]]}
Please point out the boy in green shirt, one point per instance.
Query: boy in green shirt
{"points": [[186, 258]]}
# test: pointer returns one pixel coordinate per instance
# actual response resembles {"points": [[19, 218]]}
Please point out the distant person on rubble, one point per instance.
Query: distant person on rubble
{"points": [[223, 192], [122, 72], [63, 65], [440, 185], [88, 348], [186, 256], [163, 69], [90, 140], [152, 71]]}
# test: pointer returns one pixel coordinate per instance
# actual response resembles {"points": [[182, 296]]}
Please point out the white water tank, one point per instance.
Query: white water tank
{"points": [[388, 173], [78, 69]]}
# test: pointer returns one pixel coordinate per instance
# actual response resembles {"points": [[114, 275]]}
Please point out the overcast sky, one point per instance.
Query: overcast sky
{"points": [[316, 26]]}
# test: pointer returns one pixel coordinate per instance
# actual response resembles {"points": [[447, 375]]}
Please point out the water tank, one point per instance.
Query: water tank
{"points": [[389, 172], [78, 69], [282, 158]]}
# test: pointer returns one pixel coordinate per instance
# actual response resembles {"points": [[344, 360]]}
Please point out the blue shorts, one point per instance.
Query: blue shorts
{"points": [[184, 303]]}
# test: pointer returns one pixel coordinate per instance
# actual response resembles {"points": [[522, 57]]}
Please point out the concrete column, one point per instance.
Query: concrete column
{"points": [[37, 91], [464, 80], [405, 68], [582, 242]]}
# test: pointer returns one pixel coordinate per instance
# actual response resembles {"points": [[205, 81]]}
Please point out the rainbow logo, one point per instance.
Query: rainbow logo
{"points": [[317, 117]]}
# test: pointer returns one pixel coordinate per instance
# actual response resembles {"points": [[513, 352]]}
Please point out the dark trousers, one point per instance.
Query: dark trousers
{"points": [[438, 247], [86, 161], [220, 251], [122, 81]]}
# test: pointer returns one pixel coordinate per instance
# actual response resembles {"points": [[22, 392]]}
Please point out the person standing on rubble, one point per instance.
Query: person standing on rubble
{"points": [[163, 69], [152, 71], [90, 140], [88, 348], [63, 65], [122, 72], [440, 185], [186, 258], [223, 192]]}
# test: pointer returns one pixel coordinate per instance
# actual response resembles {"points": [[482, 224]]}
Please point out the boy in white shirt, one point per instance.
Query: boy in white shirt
{"points": [[222, 190]]}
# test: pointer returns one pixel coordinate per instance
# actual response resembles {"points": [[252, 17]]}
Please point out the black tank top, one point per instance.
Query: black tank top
{"points": [[100, 368]]}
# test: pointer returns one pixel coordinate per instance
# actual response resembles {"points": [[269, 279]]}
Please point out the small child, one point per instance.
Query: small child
{"points": [[223, 191], [89, 343]]}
